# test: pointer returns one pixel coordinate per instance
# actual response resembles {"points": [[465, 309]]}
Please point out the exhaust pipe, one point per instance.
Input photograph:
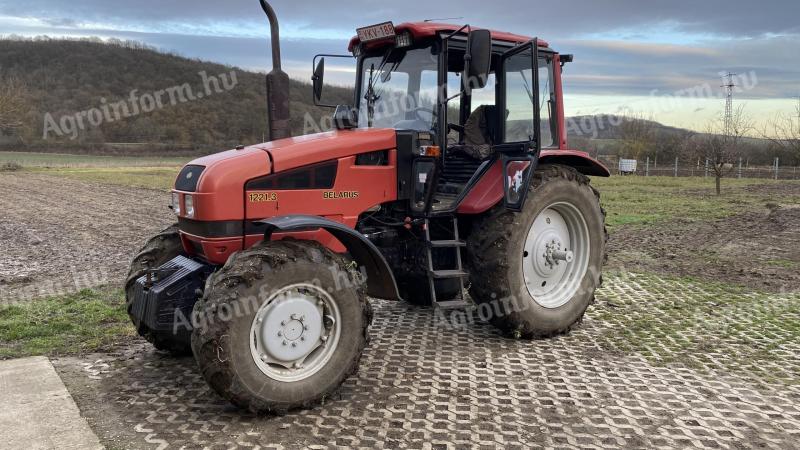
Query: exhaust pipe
{"points": [[278, 114]]}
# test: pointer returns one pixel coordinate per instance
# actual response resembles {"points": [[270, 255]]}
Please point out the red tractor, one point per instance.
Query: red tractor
{"points": [[448, 182]]}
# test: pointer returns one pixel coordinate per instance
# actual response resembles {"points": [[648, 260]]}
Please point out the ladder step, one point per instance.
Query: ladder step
{"points": [[440, 274], [447, 244], [454, 304]]}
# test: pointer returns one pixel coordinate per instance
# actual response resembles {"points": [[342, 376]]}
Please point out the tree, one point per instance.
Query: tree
{"points": [[721, 145], [783, 131], [13, 106], [638, 136]]}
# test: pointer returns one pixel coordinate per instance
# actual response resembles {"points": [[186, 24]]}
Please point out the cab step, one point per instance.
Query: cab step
{"points": [[447, 244], [445, 274], [461, 301]]}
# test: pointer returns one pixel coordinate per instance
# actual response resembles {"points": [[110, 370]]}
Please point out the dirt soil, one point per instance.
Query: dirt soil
{"points": [[60, 235], [758, 249]]}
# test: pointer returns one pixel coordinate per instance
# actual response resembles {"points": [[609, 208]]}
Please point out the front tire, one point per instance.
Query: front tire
{"points": [[281, 326], [539, 268]]}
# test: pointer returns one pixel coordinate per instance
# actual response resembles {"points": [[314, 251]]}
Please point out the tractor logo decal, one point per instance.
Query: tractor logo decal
{"points": [[516, 181], [263, 197], [347, 195]]}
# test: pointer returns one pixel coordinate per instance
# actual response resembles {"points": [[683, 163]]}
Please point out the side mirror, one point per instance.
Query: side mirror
{"points": [[318, 80], [477, 60]]}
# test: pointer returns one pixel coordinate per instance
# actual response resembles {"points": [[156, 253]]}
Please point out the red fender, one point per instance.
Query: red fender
{"points": [[489, 189]]}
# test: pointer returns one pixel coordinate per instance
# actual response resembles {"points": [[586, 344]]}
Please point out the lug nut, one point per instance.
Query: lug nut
{"points": [[285, 343], [294, 344], [302, 338], [305, 327], [283, 323], [280, 333]]}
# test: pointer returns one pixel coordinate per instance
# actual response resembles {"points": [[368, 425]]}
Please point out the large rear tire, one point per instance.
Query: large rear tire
{"points": [[158, 250], [281, 326], [539, 268]]}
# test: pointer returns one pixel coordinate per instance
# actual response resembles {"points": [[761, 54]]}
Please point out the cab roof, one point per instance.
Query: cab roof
{"points": [[422, 30]]}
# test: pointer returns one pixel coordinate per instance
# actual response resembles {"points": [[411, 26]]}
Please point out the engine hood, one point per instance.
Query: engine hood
{"points": [[287, 154]]}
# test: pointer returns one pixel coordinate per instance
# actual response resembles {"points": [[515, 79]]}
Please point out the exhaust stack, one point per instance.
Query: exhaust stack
{"points": [[277, 84]]}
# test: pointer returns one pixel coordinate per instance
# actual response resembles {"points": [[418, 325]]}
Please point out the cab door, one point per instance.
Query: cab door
{"points": [[519, 127]]}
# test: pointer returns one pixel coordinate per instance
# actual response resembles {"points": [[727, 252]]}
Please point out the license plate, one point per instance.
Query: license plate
{"points": [[376, 32]]}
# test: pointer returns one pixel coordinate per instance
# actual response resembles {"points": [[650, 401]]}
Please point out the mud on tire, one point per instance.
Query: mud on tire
{"points": [[158, 250], [236, 294], [495, 249]]}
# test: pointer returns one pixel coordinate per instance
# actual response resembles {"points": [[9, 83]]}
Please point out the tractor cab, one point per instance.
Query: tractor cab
{"points": [[443, 88]]}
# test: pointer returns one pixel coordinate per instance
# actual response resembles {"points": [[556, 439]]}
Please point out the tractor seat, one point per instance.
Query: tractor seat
{"points": [[478, 133]]}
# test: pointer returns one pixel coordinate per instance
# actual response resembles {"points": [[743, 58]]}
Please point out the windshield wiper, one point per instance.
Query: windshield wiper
{"points": [[371, 97]]}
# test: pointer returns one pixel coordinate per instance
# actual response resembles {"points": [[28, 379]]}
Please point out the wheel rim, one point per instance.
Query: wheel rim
{"points": [[295, 332], [556, 255]]}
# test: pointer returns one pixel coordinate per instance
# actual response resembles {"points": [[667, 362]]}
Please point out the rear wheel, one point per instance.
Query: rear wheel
{"points": [[158, 250], [541, 267], [281, 326]]}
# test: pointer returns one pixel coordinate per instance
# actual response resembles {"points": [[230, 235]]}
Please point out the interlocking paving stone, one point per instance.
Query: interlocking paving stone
{"points": [[422, 384]]}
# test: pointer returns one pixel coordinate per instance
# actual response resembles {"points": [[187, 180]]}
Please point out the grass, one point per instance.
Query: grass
{"points": [[702, 325], [83, 322], [161, 178], [57, 160], [652, 200], [142, 172]]}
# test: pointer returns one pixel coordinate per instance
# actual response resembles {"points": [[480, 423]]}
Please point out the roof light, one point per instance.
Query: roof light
{"points": [[357, 50], [404, 40]]}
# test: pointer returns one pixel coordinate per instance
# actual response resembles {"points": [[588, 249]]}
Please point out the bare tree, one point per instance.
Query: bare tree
{"points": [[13, 105], [638, 135], [722, 149], [784, 131]]}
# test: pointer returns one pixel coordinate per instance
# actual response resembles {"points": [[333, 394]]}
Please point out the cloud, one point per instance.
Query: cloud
{"points": [[566, 17], [622, 48]]}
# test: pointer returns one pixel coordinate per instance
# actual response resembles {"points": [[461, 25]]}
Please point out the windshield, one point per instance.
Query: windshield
{"points": [[398, 89]]}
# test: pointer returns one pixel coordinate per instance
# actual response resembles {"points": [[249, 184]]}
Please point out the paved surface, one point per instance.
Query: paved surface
{"points": [[424, 385], [36, 411]]}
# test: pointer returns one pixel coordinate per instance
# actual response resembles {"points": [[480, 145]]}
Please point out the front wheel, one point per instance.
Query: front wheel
{"points": [[539, 268], [281, 326]]}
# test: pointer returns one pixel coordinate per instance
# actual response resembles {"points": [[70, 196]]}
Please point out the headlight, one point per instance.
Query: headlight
{"points": [[189, 205], [176, 203]]}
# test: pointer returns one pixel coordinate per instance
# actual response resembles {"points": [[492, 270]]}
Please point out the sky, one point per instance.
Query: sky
{"points": [[659, 59]]}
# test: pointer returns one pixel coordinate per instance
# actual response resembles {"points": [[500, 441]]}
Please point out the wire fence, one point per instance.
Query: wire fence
{"points": [[685, 168]]}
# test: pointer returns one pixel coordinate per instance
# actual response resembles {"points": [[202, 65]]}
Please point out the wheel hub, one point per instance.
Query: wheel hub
{"points": [[553, 254], [291, 333]]}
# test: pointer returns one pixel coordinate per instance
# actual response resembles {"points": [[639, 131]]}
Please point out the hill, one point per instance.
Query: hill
{"points": [[88, 93]]}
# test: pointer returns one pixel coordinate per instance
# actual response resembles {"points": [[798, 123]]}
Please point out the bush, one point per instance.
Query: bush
{"points": [[10, 166]]}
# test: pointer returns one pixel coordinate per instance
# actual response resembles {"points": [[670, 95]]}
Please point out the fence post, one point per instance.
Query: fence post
{"points": [[777, 165], [647, 168], [740, 168], [706, 175], [676, 167]]}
